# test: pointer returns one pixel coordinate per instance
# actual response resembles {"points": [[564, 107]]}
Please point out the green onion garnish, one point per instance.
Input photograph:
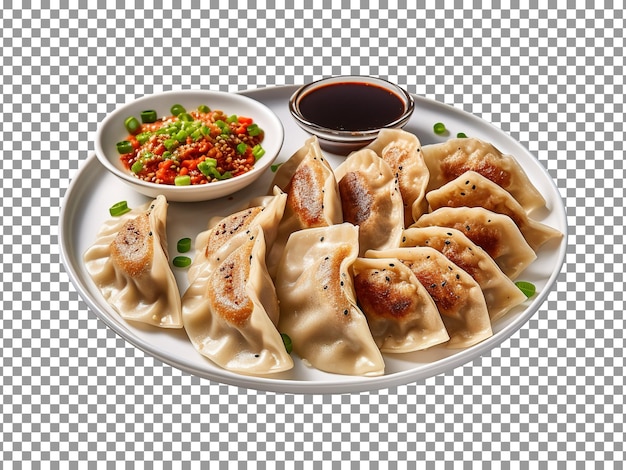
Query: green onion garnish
{"points": [[203, 108], [170, 144], [258, 151], [182, 180], [181, 261], [287, 342], [254, 130], [148, 116], [231, 118], [177, 109], [137, 166], [132, 124], [183, 245], [461, 135], [527, 288], [119, 208], [185, 117], [275, 167], [143, 137], [124, 147], [241, 148], [439, 128], [206, 166]]}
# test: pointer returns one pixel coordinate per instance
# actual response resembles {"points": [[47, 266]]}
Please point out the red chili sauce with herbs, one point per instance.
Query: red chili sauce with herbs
{"points": [[192, 148]]}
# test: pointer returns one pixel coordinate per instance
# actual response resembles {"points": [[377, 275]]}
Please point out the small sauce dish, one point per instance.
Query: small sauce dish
{"points": [[347, 112]]}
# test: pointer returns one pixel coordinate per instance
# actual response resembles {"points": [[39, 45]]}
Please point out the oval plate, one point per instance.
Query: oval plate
{"points": [[93, 190]]}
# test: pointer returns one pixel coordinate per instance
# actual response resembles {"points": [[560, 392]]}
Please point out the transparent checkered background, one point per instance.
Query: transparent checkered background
{"points": [[72, 391]]}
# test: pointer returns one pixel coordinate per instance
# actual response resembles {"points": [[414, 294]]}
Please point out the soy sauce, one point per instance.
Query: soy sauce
{"points": [[351, 106]]}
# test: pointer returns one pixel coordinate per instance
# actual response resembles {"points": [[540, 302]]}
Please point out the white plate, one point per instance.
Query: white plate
{"points": [[93, 190]]}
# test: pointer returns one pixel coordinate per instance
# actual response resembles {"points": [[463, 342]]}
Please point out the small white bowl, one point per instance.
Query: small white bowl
{"points": [[342, 141], [112, 130]]}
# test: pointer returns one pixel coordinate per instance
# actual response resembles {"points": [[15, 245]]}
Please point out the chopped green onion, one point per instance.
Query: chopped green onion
{"points": [[287, 342], [232, 118], [203, 108], [258, 151], [137, 166], [185, 117], [527, 288], [181, 136], [181, 261], [461, 135], [439, 128], [148, 116], [241, 148], [183, 245], [275, 167], [143, 137], [196, 135], [124, 147], [254, 130], [170, 144], [177, 109], [206, 166], [182, 180], [119, 208], [132, 124]]}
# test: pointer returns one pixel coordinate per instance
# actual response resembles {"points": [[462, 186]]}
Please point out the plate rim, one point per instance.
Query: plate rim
{"points": [[353, 384]]}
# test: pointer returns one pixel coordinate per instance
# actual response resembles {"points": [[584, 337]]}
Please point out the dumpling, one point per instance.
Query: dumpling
{"points": [[448, 160], [458, 297], [402, 316], [225, 234], [403, 153], [501, 294], [312, 196], [230, 313], [471, 189], [495, 233], [130, 265], [371, 200], [318, 308]]}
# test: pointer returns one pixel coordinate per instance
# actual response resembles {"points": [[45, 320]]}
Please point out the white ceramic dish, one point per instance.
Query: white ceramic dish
{"points": [[111, 130], [93, 190]]}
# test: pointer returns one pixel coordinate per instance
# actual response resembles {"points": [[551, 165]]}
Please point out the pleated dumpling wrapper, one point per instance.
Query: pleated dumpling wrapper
{"points": [[402, 316], [225, 234], [230, 314], [312, 196], [318, 306], [495, 233], [370, 199], [501, 294], [129, 263], [471, 189], [448, 160], [403, 153], [458, 297]]}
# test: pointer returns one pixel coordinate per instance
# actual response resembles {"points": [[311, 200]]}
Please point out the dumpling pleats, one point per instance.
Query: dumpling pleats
{"points": [[230, 313], [448, 160], [318, 305], [501, 294], [495, 233], [402, 316], [458, 297], [129, 263], [471, 189]]}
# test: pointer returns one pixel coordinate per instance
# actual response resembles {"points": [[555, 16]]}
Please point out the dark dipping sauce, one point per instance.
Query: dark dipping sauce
{"points": [[351, 106]]}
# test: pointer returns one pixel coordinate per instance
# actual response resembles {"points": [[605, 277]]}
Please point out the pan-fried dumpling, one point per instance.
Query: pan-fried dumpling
{"points": [[471, 189], [448, 160], [402, 316], [130, 265], [501, 294], [371, 200], [318, 308], [458, 297], [225, 234], [312, 196], [495, 233], [230, 313], [402, 152]]}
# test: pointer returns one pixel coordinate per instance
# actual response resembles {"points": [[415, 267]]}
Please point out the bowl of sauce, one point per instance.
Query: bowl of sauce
{"points": [[347, 112]]}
